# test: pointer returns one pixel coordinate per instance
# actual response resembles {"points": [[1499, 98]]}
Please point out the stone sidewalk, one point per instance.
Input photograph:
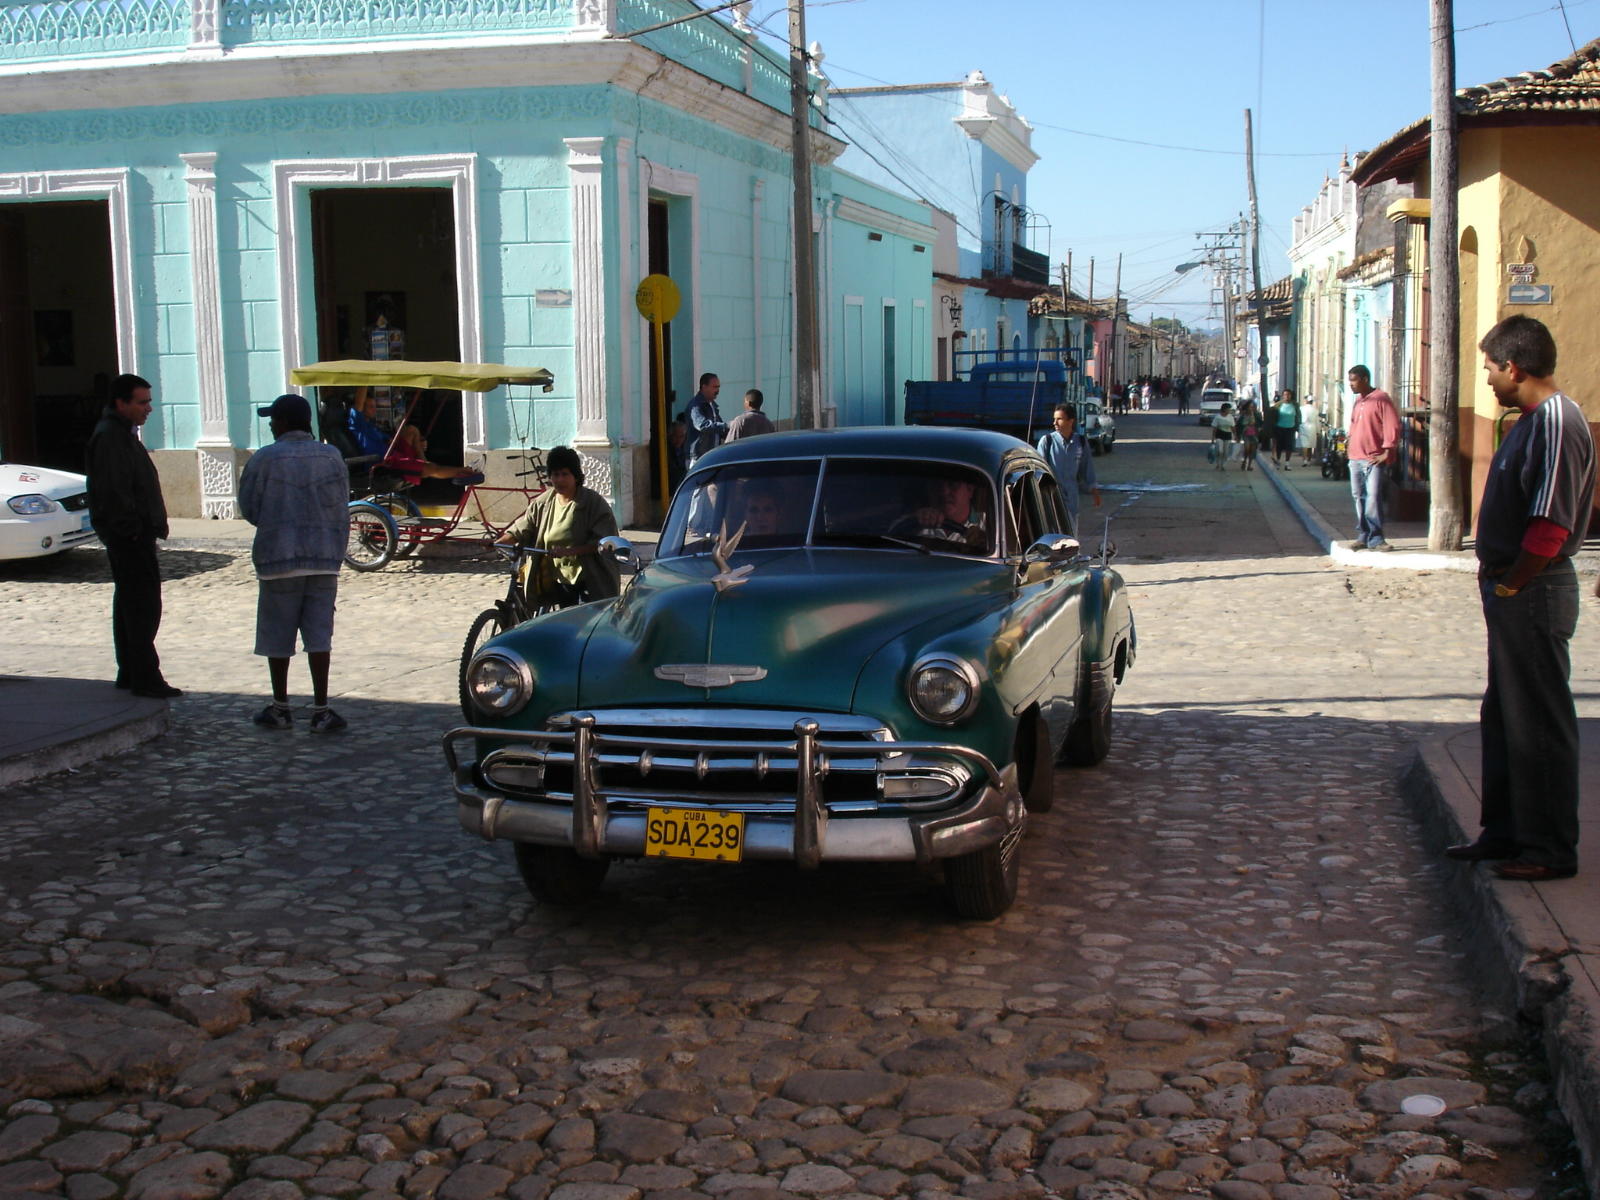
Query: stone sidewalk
{"points": [[1540, 941]]}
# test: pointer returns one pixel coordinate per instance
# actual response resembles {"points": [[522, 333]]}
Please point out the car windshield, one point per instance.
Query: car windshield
{"points": [[921, 506]]}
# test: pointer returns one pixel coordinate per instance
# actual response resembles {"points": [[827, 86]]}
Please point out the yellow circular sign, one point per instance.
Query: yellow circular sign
{"points": [[657, 298]]}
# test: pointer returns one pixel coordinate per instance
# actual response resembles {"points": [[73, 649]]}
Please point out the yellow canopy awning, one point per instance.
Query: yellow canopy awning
{"points": [[449, 376]]}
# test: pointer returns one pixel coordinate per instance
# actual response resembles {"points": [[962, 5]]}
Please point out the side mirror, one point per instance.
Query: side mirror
{"points": [[1052, 548], [621, 549]]}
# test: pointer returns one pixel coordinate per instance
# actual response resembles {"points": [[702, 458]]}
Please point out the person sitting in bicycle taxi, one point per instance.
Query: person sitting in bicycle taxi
{"points": [[567, 520], [407, 453]]}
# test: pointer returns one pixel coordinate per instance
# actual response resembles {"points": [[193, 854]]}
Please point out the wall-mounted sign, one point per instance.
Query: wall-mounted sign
{"points": [[1528, 293], [553, 298], [1523, 272]]}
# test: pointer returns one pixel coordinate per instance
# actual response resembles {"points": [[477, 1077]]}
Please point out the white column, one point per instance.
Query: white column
{"points": [[204, 31], [597, 16], [214, 448], [585, 171]]}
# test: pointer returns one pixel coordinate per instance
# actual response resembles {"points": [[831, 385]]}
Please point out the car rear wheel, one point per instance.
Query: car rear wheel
{"points": [[983, 884], [558, 875], [1088, 738]]}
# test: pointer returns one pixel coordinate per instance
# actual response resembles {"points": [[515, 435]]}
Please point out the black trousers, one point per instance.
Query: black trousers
{"points": [[135, 609], [1528, 723]]}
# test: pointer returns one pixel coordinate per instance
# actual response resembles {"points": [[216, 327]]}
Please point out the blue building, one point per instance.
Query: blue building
{"points": [[966, 150], [211, 192]]}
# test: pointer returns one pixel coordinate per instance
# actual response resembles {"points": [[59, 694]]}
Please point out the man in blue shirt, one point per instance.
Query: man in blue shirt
{"points": [[1071, 461], [707, 429]]}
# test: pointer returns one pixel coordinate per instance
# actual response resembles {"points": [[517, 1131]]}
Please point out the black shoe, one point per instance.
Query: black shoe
{"points": [[122, 683], [161, 690], [1480, 851]]}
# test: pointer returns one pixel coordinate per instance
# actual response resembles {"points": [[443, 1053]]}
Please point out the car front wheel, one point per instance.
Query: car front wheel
{"points": [[983, 884], [558, 875]]}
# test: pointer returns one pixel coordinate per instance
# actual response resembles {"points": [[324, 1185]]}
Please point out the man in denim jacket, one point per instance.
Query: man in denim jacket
{"points": [[295, 493]]}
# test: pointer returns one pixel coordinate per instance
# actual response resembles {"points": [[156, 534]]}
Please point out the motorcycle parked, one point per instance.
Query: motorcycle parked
{"points": [[1335, 454]]}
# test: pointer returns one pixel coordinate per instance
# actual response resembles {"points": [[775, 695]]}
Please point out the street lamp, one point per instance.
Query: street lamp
{"points": [[1182, 267]]}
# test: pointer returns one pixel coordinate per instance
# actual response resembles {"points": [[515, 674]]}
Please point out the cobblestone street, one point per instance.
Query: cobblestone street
{"points": [[271, 965]]}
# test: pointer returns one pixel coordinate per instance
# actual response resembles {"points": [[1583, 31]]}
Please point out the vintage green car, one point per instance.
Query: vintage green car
{"points": [[851, 645]]}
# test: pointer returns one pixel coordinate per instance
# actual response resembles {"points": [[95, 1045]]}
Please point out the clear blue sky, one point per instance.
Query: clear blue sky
{"points": [[1111, 88]]}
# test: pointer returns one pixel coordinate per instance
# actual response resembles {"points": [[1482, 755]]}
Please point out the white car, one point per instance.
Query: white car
{"points": [[1213, 398], [44, 511], [1098, 427]]}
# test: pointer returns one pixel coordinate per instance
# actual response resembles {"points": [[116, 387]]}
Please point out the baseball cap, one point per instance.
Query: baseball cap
{"points": [[290, 406]]}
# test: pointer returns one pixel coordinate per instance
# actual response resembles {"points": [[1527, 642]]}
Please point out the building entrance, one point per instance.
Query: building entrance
{"points": [[385, 269], [58, 329]]}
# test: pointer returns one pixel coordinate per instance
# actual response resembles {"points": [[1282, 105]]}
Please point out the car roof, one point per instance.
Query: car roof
{"points": [[981, 448]]}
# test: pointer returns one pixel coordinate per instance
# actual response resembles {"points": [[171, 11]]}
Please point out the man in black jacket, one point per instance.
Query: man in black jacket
{"points": [[129, 515]]}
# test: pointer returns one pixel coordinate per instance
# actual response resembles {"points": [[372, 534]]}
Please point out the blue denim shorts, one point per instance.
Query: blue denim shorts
{"points": [[299, 604]]}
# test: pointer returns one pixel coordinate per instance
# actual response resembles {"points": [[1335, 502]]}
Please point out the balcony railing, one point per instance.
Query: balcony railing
{"points": [[51, 30], [65, 28]]}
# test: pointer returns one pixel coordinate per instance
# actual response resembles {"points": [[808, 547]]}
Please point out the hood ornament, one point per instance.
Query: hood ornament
{"points": [[709, 675], [726, 578]]}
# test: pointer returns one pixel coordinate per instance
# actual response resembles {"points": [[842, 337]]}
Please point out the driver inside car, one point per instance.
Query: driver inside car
{"points": [[950, 516]]}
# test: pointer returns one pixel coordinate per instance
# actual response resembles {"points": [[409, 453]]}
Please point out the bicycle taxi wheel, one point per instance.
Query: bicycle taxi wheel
{"points": [[373, 537]]}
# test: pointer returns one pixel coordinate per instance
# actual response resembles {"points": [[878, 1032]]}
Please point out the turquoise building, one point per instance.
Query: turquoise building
{"points": [[963, 148], [209, 193]]}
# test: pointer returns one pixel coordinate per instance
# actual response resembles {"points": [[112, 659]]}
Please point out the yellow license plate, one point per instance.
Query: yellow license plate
{"points": [[694, 833]]}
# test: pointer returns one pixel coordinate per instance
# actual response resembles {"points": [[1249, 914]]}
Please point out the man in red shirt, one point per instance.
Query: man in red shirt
{"points": [[1374, 434]]}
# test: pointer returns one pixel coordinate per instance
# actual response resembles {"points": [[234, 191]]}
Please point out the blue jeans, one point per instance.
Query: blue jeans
{"points": [[1366, 488], [1528, 723]]}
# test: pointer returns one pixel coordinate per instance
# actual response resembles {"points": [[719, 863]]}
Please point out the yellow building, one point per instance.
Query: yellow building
{"points": [[1529, 215]]}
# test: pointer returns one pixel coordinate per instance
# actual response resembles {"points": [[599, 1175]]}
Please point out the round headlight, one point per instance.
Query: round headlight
{"points": [[499, 683], [944, 689]]}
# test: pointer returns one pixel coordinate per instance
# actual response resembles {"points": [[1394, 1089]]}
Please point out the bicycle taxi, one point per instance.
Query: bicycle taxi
{"points": [[386, 523]]}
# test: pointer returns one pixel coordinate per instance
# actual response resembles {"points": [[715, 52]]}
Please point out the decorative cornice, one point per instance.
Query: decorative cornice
{"points": [[402, 82], [858, 213], [994, 134]]}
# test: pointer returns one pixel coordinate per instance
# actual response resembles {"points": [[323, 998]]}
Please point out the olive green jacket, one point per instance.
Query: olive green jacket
{"points": [[600, 578]]}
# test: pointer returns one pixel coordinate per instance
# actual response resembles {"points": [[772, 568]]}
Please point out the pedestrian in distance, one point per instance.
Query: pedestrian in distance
{"points": [[1248, 428], [752, 421], [295, 492], [1222, 426], [1372, 440], [1071, 462], [707, 429], [129, 515], [1285, 429], [1306, 437], [1531, 521]]}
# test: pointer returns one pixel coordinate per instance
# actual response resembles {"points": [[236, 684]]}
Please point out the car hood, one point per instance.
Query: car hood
{"points": [[18, 480], [795, 633]]}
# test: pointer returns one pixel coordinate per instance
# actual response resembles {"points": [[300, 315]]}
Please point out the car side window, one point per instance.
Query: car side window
{"points": [[1052, 506], [1022, 514]]}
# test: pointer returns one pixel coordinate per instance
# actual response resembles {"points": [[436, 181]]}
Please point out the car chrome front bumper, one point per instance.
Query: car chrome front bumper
{"points": [[807, 835]]}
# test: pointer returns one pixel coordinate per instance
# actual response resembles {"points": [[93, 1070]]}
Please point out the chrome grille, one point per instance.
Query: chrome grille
{"points": [[734, 759]]}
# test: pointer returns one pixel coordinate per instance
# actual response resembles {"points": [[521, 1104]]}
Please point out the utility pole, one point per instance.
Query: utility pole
{"points": [[1116, 315], [805, 268], [1444, 322], [1255, 263], [1066, 318], [1104, 372]]}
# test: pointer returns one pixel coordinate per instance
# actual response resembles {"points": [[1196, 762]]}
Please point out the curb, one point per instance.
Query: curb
{"points": [[1525, 958], [1328, 537], [89, 747]]}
